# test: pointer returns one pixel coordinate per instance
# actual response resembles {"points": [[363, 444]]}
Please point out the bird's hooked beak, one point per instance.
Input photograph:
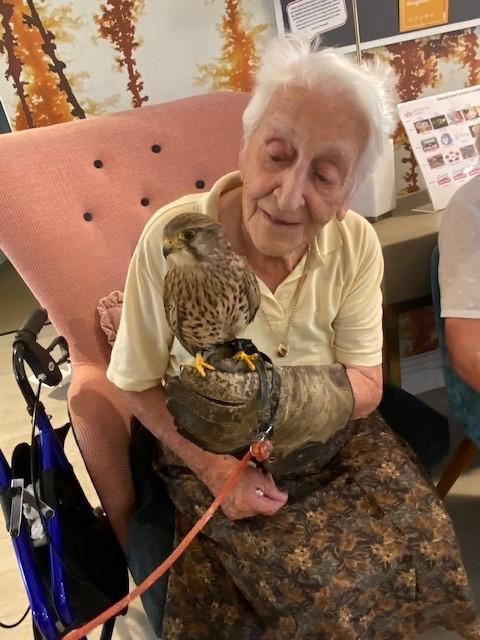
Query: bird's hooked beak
{"points": [[169, 246]]}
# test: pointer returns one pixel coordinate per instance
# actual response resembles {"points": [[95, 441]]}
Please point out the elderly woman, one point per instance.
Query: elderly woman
{"points": [[350, 542]]}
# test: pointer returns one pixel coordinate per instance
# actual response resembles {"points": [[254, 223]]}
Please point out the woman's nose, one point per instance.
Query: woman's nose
{"points": [[290, 192]]}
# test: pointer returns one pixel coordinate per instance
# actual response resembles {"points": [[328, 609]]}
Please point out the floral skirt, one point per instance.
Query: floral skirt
{"points": [[363, 549]]}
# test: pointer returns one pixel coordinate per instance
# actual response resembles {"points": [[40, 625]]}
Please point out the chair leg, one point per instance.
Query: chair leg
{"points": [[462, 458]]}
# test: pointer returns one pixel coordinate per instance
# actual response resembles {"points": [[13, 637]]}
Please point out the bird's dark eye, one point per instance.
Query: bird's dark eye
{"points": [[189, 235]]}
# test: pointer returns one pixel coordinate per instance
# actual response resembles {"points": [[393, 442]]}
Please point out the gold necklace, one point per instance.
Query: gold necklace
{"points": [[283, 347]]}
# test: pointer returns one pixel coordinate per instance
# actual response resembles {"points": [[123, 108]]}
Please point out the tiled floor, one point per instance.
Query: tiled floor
{"points": [[463, 504]]}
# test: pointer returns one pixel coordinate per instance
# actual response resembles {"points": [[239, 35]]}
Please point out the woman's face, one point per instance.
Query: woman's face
{"points": [[298, 168]]}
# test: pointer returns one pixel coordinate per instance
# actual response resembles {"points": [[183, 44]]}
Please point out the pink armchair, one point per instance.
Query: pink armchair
{"points": [[74, 198]]}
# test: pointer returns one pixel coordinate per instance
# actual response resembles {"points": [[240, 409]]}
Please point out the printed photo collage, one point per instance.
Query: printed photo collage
{"points": [[442, 131], [448, 142]]}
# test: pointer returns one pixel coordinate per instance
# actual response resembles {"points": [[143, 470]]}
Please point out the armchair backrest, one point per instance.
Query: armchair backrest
{"points": [[75, 197], [463, 400]]}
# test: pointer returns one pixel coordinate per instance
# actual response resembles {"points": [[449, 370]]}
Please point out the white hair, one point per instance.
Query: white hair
{"points": [[291, 61]]}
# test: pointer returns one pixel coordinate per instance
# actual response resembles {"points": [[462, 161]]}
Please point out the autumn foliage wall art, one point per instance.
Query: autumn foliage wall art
{"points": [[61, 60], [235, 68], [30, 31]]}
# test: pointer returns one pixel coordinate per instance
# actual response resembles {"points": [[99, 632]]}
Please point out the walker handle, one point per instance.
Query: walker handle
{"points": [[30, 329], [43, 365]]}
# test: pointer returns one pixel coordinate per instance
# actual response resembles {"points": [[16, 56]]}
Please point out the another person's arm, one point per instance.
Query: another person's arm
{"points": [[459, 269], [463, 343]]}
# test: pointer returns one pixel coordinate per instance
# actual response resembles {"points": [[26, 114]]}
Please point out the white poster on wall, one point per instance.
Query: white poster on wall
{"points": [[316, 16], [442, 131]]}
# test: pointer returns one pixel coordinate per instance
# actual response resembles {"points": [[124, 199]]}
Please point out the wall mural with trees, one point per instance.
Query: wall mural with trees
{"points": [[61, 60], [116, 22]]}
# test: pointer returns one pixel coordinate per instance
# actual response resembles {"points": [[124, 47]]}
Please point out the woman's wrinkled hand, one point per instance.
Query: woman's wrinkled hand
{"points": [[255, 493]]}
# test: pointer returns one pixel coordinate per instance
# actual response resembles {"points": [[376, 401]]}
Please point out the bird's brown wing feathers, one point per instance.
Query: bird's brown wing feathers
{"points": [[174, 312], [199, 320], [253, 293], [171, 306], [169, 301]]}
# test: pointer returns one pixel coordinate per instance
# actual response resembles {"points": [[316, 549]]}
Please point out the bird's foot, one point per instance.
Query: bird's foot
{"points": [[248, 359], [200, 365]]}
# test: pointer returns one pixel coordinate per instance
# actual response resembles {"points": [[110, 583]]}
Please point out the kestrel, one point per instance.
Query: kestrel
{"points": [[210, 294]]}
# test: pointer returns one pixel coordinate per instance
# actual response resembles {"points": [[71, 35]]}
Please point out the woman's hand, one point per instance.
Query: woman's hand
{"points": [[254, 494]]}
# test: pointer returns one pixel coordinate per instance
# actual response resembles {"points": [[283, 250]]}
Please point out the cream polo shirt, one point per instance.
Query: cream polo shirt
{"points": [[338, 318], [459, 245]]}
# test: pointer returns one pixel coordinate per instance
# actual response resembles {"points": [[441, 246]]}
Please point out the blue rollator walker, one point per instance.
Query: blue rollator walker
{"points": [[71, 563]]}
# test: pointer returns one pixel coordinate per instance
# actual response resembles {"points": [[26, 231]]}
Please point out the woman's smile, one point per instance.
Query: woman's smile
{"points": [[277, 221]]}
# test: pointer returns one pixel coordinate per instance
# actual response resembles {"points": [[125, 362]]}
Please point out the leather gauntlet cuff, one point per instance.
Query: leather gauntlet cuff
{"points": [[312, 421], [221, 412]]}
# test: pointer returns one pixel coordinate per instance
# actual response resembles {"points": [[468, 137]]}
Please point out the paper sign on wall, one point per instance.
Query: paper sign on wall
{"points": [[442, 130], [419, 14], [316, 16]]}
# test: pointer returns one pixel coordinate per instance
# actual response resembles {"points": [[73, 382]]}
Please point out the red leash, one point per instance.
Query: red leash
{"points": [[259, 450]]}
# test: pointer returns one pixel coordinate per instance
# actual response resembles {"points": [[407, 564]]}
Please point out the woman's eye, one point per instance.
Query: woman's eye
{"points": [[329, 178], [276, 158]]}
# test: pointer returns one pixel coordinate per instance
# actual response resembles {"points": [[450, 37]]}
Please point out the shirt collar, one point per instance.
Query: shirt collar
{"points": [[328, 240], [225, 183]]}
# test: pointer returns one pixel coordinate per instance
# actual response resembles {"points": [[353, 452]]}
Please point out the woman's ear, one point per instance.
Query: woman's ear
{"points": [[342, 212], [347, 201]]}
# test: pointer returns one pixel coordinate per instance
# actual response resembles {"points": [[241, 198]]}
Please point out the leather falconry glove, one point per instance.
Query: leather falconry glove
{"points": [[222, 412]]}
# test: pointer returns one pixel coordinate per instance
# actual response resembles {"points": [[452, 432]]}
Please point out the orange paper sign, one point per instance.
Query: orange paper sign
{"points": [[418, 14]]}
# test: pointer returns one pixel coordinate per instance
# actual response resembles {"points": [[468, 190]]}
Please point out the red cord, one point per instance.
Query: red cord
{"points": [[77, 634], [261, 450]]}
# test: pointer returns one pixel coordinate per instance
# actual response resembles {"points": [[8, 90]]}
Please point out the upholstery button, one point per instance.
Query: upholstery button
{"points": [[200, 184], [145, 202], [87, 216], [98, 164], [156, 148]]}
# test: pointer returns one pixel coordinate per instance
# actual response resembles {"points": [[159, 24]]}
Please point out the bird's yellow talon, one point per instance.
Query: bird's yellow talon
{"points": [[200, 365], [244, 357]]}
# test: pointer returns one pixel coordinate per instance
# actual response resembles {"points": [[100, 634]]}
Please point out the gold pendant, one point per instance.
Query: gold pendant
{"points": [[282, 350]]}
